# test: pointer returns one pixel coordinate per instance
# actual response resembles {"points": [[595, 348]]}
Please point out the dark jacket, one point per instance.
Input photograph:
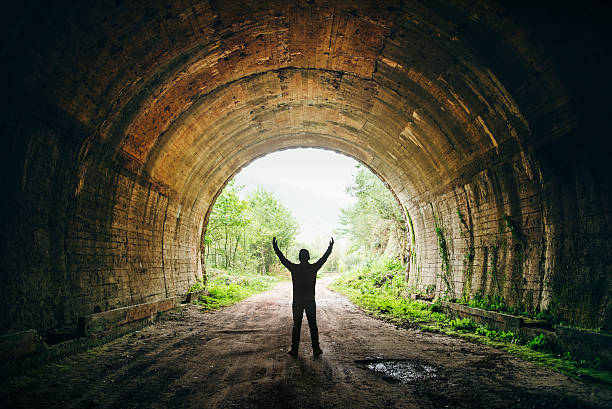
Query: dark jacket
{"points": [[303, 275]]}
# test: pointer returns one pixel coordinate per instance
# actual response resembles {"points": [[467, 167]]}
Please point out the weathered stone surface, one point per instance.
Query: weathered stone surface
{"points": [[20, 344], [492, 319], [106, 320], [121, 123], [585, 344]]}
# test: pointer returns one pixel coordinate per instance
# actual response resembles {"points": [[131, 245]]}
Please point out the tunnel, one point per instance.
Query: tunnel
{"points": [[123, 121]]}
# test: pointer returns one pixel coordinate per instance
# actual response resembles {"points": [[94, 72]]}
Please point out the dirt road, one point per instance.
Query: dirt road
{"points": [[236, 358]]}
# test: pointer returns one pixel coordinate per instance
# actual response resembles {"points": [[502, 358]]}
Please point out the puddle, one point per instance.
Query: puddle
{"points": [[399, 370]]}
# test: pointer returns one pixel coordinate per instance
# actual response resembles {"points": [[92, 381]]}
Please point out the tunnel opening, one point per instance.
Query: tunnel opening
{"points": [[302, 197], [463, 109]]}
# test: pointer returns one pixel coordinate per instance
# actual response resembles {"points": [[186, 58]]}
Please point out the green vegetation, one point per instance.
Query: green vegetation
{"points": [[228, 288], [380, 289], [239, 232], [541, 343], [504, 336], [498, 304], [374, 224], [463, 324], [443, 250], [468, 257], [236, 246]]}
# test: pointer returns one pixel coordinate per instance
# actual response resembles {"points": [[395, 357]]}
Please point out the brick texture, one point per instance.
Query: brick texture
{"points": [[122, 122]]}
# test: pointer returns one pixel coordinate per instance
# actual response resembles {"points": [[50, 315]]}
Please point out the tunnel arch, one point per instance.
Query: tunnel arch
{"points": [[124, 122], [300, 146]]}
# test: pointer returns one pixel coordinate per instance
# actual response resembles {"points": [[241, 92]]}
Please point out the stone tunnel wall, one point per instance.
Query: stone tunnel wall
{"points": [[85, 228], [540, 224], [538, 241], [484, 237], [71, 248]]}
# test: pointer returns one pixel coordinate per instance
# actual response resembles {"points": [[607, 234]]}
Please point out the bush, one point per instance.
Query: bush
{"points": [[225, 288], [463, 324], [540, 343], [380, 288]]}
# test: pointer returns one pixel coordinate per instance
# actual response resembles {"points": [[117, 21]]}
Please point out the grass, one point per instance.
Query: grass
{"points": [[226, 288], [380, 289], [498, 304]]}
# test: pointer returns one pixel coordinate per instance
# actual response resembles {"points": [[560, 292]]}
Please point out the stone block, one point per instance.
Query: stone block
{"points": [[492, 319], [20, 344], [586, 344], [106, 320]]}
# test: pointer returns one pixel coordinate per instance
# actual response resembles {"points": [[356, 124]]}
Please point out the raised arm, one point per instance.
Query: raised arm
{"points": [[324, 257], [280, 254]]}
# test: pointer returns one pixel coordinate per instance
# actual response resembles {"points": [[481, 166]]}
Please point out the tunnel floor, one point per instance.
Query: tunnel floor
{"points": [[236, 358]]}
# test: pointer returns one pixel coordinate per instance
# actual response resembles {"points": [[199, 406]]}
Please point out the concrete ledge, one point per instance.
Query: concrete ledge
{"points": [[492, 319], [581, 343], [586, 344], [22, 352], [20, 344], [106, 320], [16, 365]]}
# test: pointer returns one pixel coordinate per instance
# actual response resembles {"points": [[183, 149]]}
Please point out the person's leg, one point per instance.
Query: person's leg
{"points": [[311, 315], [298, 313]]}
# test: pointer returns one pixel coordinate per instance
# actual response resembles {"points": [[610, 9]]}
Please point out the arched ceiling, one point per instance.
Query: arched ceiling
{"points": [[393, 134], [173, 89], [126, 119], [196, 92]]}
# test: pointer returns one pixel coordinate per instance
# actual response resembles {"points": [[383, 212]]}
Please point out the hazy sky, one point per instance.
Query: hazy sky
{"points": [[311, 183]]}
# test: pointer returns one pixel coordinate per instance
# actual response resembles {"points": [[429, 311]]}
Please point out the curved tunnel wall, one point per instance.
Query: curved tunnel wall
{"points": [[122, 123]]}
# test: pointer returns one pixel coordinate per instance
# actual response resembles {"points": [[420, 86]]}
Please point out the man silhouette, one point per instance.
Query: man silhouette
{"points": [[304, 278]]}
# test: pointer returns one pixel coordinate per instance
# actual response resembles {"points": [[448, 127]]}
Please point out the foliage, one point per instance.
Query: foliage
{"points": [[375, 289], [239, 232], [443, 250], [197, 286], [540, 343], [498, 304], [380, 288], [488, 302], [269, 218], [467, 325], [463, 324], [374, 224], [505, 336], [227, 221], [225, 288]]}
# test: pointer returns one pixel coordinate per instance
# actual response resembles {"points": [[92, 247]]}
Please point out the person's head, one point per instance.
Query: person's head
{"points": [[304, 256]]}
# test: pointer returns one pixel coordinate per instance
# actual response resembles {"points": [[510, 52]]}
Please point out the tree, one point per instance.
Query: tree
{"points": [[239, 232], [269, 219], [374, 223], [226, 225]]}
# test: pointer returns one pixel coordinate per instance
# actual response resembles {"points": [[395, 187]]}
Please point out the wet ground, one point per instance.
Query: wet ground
{"points": [[236, 358]]}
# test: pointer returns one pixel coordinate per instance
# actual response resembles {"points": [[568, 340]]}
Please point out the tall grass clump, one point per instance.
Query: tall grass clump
{"points": [[380, 288], [224, 288]]}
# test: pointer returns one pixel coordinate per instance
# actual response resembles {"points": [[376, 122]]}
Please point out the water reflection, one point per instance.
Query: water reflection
{"points": [[399, 370]]}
